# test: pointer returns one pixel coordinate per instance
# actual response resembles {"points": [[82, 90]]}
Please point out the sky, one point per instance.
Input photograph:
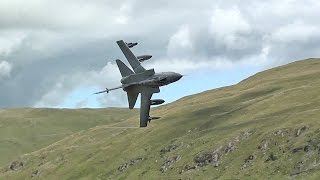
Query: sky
{"points": [[57, 53]]}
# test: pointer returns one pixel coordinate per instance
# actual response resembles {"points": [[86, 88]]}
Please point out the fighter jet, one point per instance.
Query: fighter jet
{"points": [[138, 80]]}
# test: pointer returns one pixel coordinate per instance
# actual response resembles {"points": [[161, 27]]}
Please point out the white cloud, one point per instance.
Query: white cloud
{"points": [[10, 40], [109, 76], [228, 21], [60, 15], [227, 26], [180, 42], [297, 31], [5, 69], [125, 9], [185, 66]]}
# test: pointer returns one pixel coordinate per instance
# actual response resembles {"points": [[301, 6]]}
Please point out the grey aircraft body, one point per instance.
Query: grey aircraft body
{"points": [[138, 80]]}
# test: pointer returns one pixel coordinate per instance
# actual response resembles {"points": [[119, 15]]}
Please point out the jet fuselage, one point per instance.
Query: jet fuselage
{"points": [[156, 80]]}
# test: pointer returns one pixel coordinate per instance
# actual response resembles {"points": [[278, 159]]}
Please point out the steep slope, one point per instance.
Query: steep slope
{"points": [[267, 126], [26, 130]]}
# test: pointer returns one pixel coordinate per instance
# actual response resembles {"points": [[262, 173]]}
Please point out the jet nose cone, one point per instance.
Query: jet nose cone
{"points": [[178, 76]]}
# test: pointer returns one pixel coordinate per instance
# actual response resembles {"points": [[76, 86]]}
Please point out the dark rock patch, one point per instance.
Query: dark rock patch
{"points": [[298, 168], [15, 165], [122, 167], [298, 149], [307, 148], [132, 162], [213, 157], [299, 131], [187, 168], [264, 145], [230, 147], [168, 163], [299, 165], [243, 135], [248, 161], [207, 158], [167, 149], [35, 173], [281, 132], [250, 158], [271, 157]]}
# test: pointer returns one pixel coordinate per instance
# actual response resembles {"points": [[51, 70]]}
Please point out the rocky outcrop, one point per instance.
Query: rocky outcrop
{"points": [[168, 163], [271, 157], [168, 148], [131, 162], [214, 157], [207, 158], [15, 165], [248, 161], [301, 130], [35, 173]]}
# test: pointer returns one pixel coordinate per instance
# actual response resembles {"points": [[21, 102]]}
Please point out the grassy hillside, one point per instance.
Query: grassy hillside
{"points": [[26, 130], [267, 126]]}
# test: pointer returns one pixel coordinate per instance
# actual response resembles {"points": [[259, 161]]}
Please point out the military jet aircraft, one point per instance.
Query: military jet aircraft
{"points": [[139, 80]]}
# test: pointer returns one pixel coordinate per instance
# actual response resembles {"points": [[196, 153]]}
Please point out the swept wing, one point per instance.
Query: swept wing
{"points": [[132, 59]]}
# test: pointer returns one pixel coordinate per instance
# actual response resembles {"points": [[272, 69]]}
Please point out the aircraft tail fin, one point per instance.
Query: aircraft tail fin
{"points": [[124, 70], [132, 59]]}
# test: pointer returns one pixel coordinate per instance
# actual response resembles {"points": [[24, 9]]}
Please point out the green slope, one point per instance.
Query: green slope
{"points": [[267, 126], [26, 130]]}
